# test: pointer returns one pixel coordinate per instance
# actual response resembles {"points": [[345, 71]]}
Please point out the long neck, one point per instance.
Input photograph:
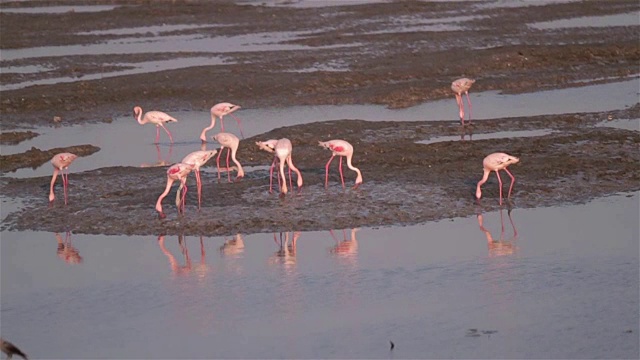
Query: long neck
{"points": [[350, 166], [162, 196], [485, 176], [53, 182], [235, 161], [139, 118]]}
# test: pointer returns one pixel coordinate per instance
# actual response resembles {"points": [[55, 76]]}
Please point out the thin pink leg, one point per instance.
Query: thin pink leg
{"points": [[221, 124], [290, 181], [65, 181], [199, 185], [273, 164], [168, 133], [513, 180], [157, 134], [500, 182], [184, 197], [218, 162], [326, 176], [239, 125], [228, 169], [341, 175], [468, 102]]}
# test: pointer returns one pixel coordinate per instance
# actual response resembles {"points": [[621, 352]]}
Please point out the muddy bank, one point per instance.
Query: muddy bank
{"points": [[35, 157], [16, 137], [404, 182]]}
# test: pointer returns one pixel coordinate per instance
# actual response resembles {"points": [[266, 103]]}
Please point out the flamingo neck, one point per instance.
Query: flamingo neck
{"points": [[139, 118], [162, 196], [350, 166]]}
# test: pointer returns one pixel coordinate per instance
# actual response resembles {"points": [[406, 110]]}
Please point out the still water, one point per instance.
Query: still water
{"points": [[560, 282]]}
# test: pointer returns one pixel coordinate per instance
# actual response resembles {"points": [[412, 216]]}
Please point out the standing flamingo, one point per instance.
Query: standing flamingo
{"points": [[496, 162], [231, 142], [462, 86], [220, 110], [179, 172], [158, 118], [340, 148], [197, 159], [283, 149], [61, 163]]}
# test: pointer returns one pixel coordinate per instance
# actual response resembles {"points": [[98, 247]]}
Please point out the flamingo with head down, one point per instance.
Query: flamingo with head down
{"points": [[231, 142], [283, 149], [342, 149], [462, 86], [496, 162], [179, 172], [158, 118], [61, 164], [219, 111]]}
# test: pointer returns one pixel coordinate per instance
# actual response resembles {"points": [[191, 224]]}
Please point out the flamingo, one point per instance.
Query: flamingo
{"points": [[496, 162], [231, 142], [197, 159], [179, 172], [340, 148], [283, 149], [462, 86], [158, 118], [61, 163], [220, 110]]}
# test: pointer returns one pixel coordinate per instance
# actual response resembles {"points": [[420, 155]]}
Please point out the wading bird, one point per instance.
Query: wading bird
{"points": [[220, 110], [61, 164], [340, 148], [197, 159], [231, 142], [9, 349], [496, 162], [283, 149], [462, 86], [179, 172], [158, 118]]}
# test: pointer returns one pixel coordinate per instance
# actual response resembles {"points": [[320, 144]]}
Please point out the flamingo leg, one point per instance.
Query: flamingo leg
{"points": [[513, 180], [326, 176], [500, 182], [468, 102], [228, 169], [221, 124], [168, 133], [341, 175], [199, 185], [157, 134], [460, 107], [239, 125], [65, 183], [273, 164], [184, 196], [290, 181], [218, 162]]}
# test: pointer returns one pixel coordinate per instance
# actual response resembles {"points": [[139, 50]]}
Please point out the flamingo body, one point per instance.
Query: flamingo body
{"points": [[459, 87], [61, 164], [496, 162], [219, 111], [158, 118], [197, 159], [343, 149], [179, 172], [283, 150], [231, 142]]}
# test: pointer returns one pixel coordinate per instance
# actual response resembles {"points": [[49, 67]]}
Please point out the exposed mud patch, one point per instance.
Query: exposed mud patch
{"points": [[35, 157], [16, 137]]}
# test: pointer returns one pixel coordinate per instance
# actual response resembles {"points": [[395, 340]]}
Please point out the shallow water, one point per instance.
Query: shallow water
{"points": [[628, 19], [59, 9], [568, 281], [495, 135], [126, 143]]}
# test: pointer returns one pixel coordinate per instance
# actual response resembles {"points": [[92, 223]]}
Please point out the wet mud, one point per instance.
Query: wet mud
{"points": [[404, 182], [16, 137]]}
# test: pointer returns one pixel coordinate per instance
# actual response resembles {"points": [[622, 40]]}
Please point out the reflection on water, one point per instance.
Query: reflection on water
{"points": [[233, 247], [66, 251], [201, 269], [286, 253], [347, 248], [162, 161], [501, 246]]}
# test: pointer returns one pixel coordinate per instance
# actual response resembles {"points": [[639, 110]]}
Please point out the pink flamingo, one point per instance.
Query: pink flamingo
{"points": [[496, 162], [283, 149], [179, 172], [197, 159], [340, 148], [158, 118], [231, 142], [220, 110], [462, 86], [61, 163]]}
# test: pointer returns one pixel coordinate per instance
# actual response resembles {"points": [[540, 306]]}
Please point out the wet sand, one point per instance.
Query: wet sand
{"points": [[405, 182]]}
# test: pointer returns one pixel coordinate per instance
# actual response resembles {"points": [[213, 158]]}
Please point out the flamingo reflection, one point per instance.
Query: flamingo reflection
{"points": [[345, 248], [502, 246], [286, 253], [161, 160], [201, 269], [66, 251], [233, 247]]}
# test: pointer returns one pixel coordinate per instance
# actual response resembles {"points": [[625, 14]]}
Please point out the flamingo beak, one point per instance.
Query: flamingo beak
{"points": [[161, 216]]}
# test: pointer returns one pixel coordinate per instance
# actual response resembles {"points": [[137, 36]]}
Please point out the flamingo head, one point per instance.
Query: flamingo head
{"points": [[137, 111], [161, 215], [268, 145]]}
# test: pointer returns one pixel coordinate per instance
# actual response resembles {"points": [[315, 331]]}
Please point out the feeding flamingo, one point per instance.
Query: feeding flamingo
{"points": [[220, 110], [197, 159], [283, 149], [496, 162], [231, 142], [61, 163], [179, 172], [462, 86], [158, 118], [340, 148]]}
